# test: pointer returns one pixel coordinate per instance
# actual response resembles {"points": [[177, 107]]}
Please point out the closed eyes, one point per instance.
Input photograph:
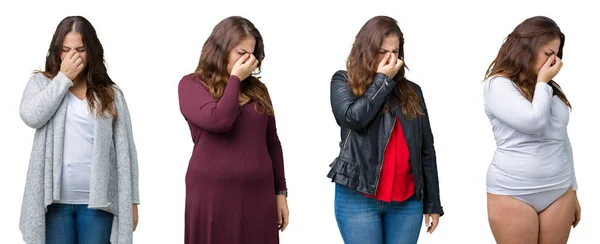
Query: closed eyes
{"points": [[383, 51], [550, 53], [79, 49]]}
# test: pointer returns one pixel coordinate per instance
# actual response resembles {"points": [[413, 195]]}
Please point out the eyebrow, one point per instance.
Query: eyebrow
{"points": [[553, 52], [75, 48], [244, 50], [387, 50]]}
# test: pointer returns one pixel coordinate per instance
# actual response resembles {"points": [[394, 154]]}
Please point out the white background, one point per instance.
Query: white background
{"points": [[449, 45]]}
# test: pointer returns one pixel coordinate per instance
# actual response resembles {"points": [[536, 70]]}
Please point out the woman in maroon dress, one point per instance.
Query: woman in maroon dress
{"points": [[235, 183]]}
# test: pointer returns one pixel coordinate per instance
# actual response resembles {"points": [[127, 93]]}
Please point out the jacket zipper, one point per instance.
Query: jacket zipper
{"points": [[383, 157], [347, 137], [385, 83]]}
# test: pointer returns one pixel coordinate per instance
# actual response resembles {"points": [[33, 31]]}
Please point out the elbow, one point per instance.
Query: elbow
{"points": [[354, 124], [429, 164], [535, 127], [30, 119], [428, 154], [274, 144], [356, 117], [223, 125], [215, 125]]}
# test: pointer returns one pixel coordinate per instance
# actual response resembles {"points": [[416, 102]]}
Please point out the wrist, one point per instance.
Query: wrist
{"points": [[383, 73], [282, 193], [235, 77], [542, 83], [542, 80]]}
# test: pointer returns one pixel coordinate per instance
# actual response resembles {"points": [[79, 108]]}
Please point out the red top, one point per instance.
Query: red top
{"points": [[396, 182]]}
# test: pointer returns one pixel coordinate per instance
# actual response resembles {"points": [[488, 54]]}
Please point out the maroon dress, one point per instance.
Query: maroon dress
{"points": [[235, 170]]}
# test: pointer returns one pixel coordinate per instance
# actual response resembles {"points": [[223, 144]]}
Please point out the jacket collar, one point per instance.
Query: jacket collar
{"points": [[406, 124]]}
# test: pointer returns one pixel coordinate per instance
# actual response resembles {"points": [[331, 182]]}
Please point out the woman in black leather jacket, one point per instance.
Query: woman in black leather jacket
{"points": [[386, 174]]}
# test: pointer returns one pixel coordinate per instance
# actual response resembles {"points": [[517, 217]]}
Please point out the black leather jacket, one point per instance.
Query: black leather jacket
{"points": [[365, 132]]}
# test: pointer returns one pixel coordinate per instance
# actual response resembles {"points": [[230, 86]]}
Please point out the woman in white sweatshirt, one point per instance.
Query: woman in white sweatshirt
{"points": [[531, 181]]}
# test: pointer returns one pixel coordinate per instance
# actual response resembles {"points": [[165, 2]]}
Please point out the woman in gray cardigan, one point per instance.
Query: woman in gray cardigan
{"points": [[82, 182]]}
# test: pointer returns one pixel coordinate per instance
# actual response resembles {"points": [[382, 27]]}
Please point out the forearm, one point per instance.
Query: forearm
{"points": [[40, 102]]}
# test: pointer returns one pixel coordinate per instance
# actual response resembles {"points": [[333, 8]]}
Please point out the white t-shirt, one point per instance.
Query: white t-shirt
{"points": [[533, 153], [80, 130]]}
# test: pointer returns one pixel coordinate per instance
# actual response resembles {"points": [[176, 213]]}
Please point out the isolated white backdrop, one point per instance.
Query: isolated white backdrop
{"points": [[449, 45]]}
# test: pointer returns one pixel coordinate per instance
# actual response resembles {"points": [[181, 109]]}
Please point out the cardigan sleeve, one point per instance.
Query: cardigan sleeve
{"points": [[40, 101], [126, 145]]}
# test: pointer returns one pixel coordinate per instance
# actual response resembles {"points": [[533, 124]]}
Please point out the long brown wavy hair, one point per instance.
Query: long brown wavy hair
{"points": [[100, 94], [517, 55], [212, 67], [363, 61]]}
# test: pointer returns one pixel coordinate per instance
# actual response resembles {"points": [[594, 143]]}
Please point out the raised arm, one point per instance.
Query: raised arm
{"points": [[42, 98], [504, 101], [199, 108], [357, 112]]}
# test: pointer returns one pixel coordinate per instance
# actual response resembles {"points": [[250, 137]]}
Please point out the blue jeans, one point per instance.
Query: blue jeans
{"points": [[77, 224], [364, 220]]}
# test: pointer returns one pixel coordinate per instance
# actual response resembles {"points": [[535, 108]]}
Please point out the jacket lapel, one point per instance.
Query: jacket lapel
{"points": [[406, 124], [407, 130]]}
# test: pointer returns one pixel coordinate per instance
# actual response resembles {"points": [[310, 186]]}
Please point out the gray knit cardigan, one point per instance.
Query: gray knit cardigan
{"points": [[114, 173]]}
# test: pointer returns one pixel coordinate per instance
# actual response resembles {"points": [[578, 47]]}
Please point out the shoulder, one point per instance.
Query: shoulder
{"points": [[189, 77], [414, 85], [340, 74], [339, 78], [39, 76], [39, 79], [498, 79], [553, 84], [119, 96], [191, 81], [498, 83]]}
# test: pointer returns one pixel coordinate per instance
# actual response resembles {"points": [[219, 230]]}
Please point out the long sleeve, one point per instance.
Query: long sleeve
{"points": [[433, 203], [569, 152], [199, 108], [125, 145], [276, 154], [40, 102], [132, 154], [357, 112], [504, 101]]}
